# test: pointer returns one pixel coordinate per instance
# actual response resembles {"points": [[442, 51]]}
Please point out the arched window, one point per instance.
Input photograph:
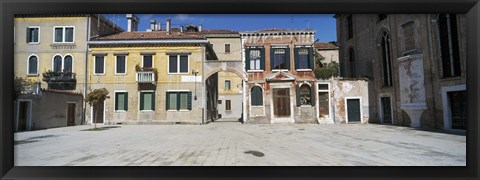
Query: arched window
{"points": [[447, 26], [305, 94], [57, 63], [386, 60], [256, 96], [351, 58], [33, 65], [67, 63]]}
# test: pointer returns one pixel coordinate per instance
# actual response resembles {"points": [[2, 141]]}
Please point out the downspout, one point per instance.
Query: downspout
{"points": [[429, 30], [204, 98], [244, 84], [85, 71]]}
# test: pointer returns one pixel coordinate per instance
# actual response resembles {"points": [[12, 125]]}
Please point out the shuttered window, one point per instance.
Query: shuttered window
{"points": [[147, 101], [33, 34], [256, 98], [121, 101], [179, 101], [120, 65]]}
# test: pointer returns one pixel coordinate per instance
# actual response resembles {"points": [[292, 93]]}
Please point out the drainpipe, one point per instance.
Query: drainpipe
{"points": [[204, 96], [85, 71], [244, 84], [429, 29]]}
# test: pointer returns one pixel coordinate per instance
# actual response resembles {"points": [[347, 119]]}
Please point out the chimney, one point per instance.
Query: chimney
{"points": [[200, 28], [168, 25], [132, 23], [181, 29], [158, 26], [152, 25]]}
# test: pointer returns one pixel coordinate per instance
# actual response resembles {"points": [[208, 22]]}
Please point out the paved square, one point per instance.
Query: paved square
{"points": [[234, 144]]}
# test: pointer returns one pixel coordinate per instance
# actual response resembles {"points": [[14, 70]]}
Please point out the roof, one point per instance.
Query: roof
{"points": [[154, 35], [276, 30], [322, 45]]}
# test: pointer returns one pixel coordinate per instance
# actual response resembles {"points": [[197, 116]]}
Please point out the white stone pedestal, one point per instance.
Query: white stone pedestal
{"points": [[415, 112]]}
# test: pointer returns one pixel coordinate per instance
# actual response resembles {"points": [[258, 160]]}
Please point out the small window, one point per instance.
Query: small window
{"points": [[322, 86], [121, 101], [219, 101], [147, 61], [255, 59], [227, 85], [64, 34], [33, 35], [33, 65], [279, 59], [179, 101], [178, 64], [99, 65], [256, 98], [305, 95], [121, 63], [228, 105], [351, 55], [147, 101], [227, 48]]}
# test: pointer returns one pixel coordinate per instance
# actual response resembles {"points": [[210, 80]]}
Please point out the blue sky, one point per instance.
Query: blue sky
{"points": [[323, 24]]}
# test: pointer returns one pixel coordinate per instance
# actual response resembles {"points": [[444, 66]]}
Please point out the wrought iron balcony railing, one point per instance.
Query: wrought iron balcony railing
{"points": [[59, 77]]}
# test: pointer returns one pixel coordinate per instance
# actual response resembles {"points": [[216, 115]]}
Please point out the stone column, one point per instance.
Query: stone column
{"points": [[412, 87]]}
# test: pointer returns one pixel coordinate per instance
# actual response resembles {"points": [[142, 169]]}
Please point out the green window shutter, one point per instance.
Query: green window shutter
{"points": [[262, 58], [287, 58], [28, 35], [141, 100], [311, 60], [116, 101], [295, 52], [312, 94], [178, 100], [247, 59], [189, 101], [297, 89], [272, 57], [126, 101], [153, 101], [167, 101]]}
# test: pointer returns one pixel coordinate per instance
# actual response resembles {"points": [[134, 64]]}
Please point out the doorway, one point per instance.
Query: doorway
{"points": [[24, 115], [71, 114], [458, 109], [386, 110], [98, 113], [323, 105], [353, 110], [281, 102]]}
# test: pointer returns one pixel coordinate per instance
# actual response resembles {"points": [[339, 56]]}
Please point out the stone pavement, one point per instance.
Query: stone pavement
{"points": [[234, 144]]}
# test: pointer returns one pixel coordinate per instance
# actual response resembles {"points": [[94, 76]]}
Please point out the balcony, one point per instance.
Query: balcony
{"points": [[60, 80], [146, 77]]}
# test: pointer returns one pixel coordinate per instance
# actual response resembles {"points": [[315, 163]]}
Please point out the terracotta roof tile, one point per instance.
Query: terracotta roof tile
{"points": [[155, 35], [321, 45]]}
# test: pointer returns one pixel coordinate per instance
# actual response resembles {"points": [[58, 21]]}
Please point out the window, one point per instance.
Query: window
{"points": [[67, 63], [57, 63], [386, 60], [33, 35], [147, 61], [178, 64], [279, 59], [447, 25], [179, 101], [227, 48], [255, 56], [147, 101], [99, 65], [32, 65], [305, 95], [120, 65], [350, 26], [256, 98], [121, 101], [351, 55], [219, 101], [227, 85], [304, 58], [228, 105], [64, 34]]}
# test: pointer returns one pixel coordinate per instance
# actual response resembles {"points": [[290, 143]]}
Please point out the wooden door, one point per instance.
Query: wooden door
{"points": [[281, 102], [323, 108], [386, 110], [98, 113], [71, 114], [22, 116], [353, 108]]}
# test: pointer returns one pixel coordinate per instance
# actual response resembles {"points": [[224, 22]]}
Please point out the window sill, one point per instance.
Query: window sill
{"points": [[120, 111], [147, 111], [253, 71], [99, 74], [32, 75], [181, 110], [179, 73], [33, 43], [304, 105], [453, 78], [303, 70], [260, 106], [120, 74], [276, 70]]}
